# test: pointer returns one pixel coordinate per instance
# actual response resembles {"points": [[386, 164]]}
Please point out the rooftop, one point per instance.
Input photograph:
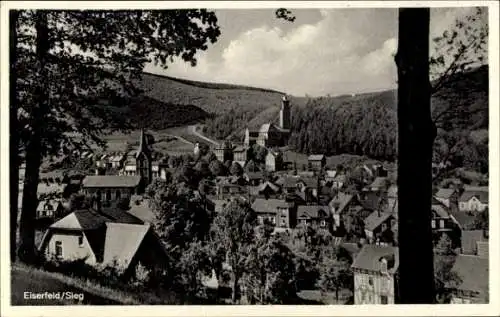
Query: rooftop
{"points": [[111, 181], [270, 205], [474, 273], [370, 255], [375, 219], [312, 212]]}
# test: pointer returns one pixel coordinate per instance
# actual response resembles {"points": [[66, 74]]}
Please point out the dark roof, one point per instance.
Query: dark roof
{"points": [[440, 210], [311, 212], [463, 219], [288, 181], [269, 205], [380, 182], [445, 193], [120, 216], [350, 247], [111, 181], [375, 219], [370, 255], [254, 175], [311, 182], [474, 273], [340, 201], [90, 219], [469, 240], [479, 194]]}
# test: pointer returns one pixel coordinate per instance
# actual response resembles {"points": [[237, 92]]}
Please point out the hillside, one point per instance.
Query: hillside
{"points": [[210, 97]]}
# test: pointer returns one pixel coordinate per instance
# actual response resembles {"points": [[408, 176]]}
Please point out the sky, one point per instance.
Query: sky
{"points": [[323, 52]]}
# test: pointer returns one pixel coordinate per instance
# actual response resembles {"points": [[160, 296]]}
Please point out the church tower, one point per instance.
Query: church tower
{"points": [[285, 113], [143, 159]]}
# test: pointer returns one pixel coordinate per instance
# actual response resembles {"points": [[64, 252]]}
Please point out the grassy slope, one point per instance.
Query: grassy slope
{"points": [[212, 98]]}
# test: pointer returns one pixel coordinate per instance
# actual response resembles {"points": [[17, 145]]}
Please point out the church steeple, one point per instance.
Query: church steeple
{"points": [[143, 145]]}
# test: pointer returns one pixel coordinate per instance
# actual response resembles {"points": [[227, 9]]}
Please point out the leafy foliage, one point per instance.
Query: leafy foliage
{"points": [[234, 231]]}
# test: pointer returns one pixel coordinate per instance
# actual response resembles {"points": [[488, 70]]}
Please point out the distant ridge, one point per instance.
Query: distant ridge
{"points": [[212, 85]]}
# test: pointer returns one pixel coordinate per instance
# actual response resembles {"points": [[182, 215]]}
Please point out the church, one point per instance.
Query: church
{"points": [[269, 134], [139, 162]]}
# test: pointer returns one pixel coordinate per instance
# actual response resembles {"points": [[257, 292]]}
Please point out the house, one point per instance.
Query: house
{"points": [[274, 161], [240, 155], [139, 162], [375, 271], [102, 239], [379, 184], [227, 189], [339, 206], [49, 208], [339, 181], [378, 226], [316, 161], [473, 241], [315, 215], [441, 217], [270, 134], [117, 161], [474, 274], [447, 196], [289, 184], [254, 178], [330, 175], [278, 212], [224, 151], [266, 189], [473, 200], [108, 188]]}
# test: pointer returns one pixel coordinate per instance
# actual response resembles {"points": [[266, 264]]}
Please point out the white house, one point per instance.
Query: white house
{"points": [[473, 200]]}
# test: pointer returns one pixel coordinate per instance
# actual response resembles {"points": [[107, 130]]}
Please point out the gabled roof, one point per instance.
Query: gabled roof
{"points": [[331, 173], [254, 175], [463, 219], [474, 273], [444, 193], [375, 219], [340, 201], [122, 242], [482, 196], [270, 205], [121, 216], [142, 211], [311, 212], [440, 210], [265, 185], [379, 182], [370, 255], [311, 182], [84, 219], [316, 157], [288, 181], [111, 181]]}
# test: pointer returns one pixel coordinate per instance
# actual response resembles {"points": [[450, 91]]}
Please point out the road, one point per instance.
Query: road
{"points": [[193, 129]]}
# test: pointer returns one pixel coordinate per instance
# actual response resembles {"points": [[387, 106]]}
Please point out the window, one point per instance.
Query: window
{"points": [[433, 223], [108, 194], [59, 249], [118, 194], [80, 240], [370, 281], [383, 266], [441, 223], [323, 223], [283, 222], [383, 300]]}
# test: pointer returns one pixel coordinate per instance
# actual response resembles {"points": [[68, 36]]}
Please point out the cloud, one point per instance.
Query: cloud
{"points": [[346, 51]]}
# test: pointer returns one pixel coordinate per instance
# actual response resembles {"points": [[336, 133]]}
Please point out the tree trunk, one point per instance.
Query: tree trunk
{"points": [[416, 138], [34, 145], [234, 288], [14, 135]]}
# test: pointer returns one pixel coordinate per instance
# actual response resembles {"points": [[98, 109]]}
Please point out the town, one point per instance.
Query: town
{"points": [[108, 216]]}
